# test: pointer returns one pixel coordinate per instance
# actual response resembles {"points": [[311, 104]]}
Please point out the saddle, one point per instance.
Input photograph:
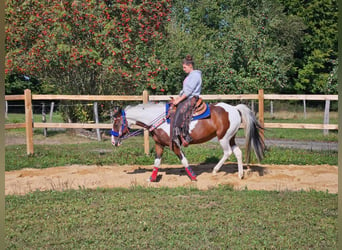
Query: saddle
{"points": [[202, 110]]}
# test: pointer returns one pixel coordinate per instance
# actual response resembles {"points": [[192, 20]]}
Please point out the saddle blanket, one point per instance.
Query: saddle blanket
{"points": [[204, 115]]}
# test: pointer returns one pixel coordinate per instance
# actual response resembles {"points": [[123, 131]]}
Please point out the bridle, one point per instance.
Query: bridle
{"points": [[124, 131], [124, 125]]}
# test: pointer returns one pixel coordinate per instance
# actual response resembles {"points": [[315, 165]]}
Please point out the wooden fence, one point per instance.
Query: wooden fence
{"points": [[145, 98]]}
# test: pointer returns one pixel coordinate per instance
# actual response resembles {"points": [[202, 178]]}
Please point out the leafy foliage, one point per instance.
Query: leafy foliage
{"points": [[86, 46], [316, 58], [239, 46], [123, 47]]}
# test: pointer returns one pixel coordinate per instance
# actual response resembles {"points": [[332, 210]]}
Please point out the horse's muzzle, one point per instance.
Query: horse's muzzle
{"points": [[116, 142]]}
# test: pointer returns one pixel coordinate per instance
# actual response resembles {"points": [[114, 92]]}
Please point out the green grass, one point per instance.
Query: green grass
{"points": [[20, 118], [132, 152], [163, 218], [295, 116]]}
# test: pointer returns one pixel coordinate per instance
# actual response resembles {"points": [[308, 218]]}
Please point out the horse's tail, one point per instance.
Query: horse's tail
{"points": [[252, 133]]}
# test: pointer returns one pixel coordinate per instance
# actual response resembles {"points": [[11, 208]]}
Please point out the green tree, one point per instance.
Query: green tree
{"points": [[86, 47], [316, 57], [241, 46]]}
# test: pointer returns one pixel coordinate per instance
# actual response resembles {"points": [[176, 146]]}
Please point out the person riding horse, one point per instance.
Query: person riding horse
{"points": [[185, 103]]}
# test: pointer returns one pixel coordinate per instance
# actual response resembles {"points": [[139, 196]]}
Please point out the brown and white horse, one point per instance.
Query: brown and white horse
{"points": [[223, 123]]}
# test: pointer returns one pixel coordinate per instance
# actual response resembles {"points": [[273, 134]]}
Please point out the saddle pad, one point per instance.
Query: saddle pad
{"points": [[206, 114]]}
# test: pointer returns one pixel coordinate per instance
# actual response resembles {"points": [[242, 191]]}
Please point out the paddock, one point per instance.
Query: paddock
{"points": [[257, 177]]}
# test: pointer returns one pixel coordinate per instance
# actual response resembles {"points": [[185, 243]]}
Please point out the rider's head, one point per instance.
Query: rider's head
{"points": [[188, 64]]}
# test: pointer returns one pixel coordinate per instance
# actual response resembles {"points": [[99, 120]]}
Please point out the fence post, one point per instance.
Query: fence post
{"points": [[96, 114], [44, 118], [6, 109], [51, 110], [261, 110], [146, 134], [326, 116], [28, 121]]}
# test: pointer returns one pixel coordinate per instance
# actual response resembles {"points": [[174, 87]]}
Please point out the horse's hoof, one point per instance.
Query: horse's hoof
{"points": [[241, 176], [214, 172], [152, 180]]}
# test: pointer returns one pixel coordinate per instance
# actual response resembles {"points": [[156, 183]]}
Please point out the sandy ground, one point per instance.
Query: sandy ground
{"points": [[257, 177]]}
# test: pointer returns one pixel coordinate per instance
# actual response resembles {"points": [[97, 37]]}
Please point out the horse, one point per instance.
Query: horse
{"points": [[224, 122]]}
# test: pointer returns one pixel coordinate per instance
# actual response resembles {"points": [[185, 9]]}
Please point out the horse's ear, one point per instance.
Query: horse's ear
{"points": [[117, 109]]}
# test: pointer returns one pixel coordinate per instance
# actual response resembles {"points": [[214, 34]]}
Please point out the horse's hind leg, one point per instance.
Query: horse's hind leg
{"points": [[238, 154], [227, 151]]}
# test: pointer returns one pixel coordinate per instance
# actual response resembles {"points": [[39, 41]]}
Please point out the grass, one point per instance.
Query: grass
{"points": [[132, 152], [20, 118], [300, 134], [163, 218]]}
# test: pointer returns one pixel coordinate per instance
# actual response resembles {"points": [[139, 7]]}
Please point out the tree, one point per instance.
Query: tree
{"points": [[86, 47], [241, 46], [316, 57]]}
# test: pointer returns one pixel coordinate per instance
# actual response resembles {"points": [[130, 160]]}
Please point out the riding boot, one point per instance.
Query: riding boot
{"points": [[154, 175], [186, 140], [191, 174]]}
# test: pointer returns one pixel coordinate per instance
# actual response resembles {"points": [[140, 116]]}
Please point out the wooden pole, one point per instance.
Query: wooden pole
{"points": [[96, 114], [28, 121], [326, 116], [146, 134], [6, 109], [44, 118], [51, 110], [304, 105], [261, 110]]}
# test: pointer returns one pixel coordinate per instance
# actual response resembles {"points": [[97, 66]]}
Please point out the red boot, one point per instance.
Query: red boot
{"points": [[191, 174], [154, 175]]}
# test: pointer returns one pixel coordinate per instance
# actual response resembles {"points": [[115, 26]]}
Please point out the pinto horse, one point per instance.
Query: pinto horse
{"points": [[224, 122]]}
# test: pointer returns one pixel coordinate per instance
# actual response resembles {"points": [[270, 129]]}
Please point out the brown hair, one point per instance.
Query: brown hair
{"points": [[188, 60]]}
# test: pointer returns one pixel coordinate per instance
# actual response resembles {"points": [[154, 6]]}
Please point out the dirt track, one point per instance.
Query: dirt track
{"points": [[258, 177]]}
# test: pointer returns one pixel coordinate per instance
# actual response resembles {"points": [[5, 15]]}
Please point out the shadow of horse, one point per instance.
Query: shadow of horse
{"points": [[229, 168]]}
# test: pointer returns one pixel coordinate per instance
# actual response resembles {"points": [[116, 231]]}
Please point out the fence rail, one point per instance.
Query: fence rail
{"points": [[145, 98]]}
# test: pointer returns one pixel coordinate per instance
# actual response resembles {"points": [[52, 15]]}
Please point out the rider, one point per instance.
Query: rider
{"points": [[186, 102]]}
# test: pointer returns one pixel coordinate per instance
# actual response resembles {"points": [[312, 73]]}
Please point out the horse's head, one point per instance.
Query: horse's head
{"points": [[120, 126]]}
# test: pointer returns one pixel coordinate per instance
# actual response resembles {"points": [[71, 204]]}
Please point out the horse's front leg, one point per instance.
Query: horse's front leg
{"points": [[159, 153], [185, 163]]}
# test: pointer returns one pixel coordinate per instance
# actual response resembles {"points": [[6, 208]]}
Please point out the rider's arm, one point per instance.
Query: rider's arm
{"points": [[178, 99]]}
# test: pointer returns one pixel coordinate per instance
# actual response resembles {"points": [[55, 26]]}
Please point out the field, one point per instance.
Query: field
{"points": [[173, 213], [171, 218]]}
